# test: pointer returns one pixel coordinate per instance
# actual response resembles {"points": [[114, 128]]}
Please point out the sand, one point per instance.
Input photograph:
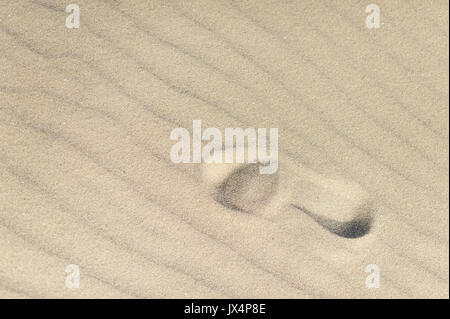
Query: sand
{"points": [[86, 177]]}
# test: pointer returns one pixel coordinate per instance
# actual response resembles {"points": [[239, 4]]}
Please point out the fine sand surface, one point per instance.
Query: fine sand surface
{"points": [[85, 170]]}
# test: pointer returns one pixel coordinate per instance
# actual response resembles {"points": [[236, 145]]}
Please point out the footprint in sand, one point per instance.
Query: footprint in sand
{"points": [[342, 207]]}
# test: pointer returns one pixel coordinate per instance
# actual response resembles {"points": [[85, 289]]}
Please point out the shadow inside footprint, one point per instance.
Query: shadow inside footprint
{"points": [[355, 228], [246, 190]]}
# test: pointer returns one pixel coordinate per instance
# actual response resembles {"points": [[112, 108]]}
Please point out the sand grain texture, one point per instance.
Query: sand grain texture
{"points": [[85, 170]]}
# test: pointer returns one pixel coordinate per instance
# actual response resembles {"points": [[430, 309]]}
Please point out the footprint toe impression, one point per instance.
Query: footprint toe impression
{"points": [[245, 189]]}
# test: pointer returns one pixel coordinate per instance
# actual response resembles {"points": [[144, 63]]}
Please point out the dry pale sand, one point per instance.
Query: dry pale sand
{"points": [[85, 170]]}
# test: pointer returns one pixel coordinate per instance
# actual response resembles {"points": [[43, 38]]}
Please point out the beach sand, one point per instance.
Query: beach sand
{"points": [[87, 186]]}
